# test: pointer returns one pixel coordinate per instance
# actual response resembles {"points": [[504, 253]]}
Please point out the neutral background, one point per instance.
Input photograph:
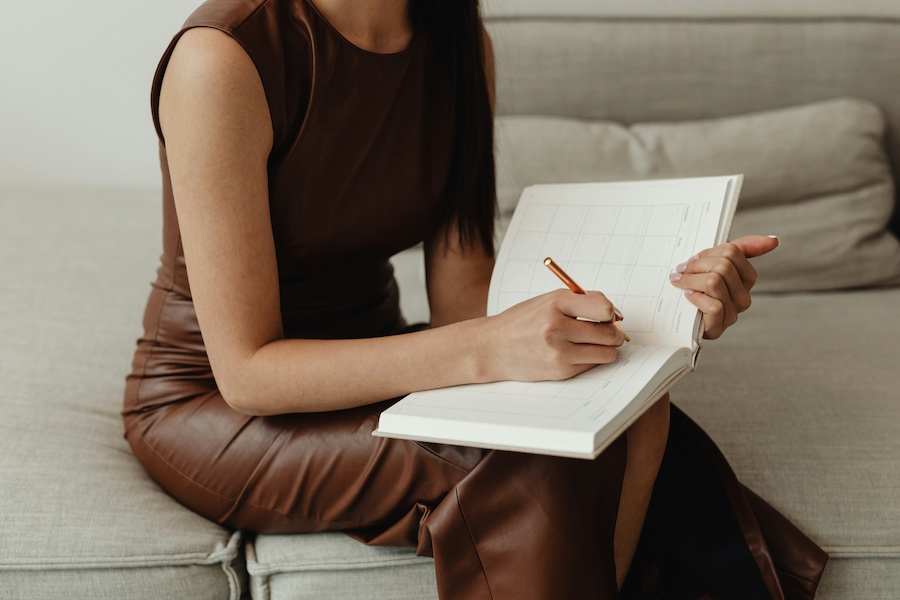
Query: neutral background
{"points": [[75, 90]]}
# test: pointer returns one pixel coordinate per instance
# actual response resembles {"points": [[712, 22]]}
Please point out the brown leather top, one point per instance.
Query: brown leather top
{"points": [[360, 157]]}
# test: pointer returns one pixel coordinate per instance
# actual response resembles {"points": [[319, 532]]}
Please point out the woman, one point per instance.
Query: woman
{"points": [[302, 143]]}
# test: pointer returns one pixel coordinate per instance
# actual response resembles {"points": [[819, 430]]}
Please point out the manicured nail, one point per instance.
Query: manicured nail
{"points": [[774, 237], [686, 292], [619, 316], [674, 276], [683, 266]]}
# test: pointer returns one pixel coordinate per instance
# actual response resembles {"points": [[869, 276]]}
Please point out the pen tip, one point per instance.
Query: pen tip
{"points": [[548, 260]]}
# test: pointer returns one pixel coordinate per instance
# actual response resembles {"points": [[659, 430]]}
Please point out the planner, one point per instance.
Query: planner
{"points": [[620, 238]]}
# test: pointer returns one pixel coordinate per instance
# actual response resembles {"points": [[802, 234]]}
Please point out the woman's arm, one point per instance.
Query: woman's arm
{"points": [[215, 121], [457, 279], [218, 135]]}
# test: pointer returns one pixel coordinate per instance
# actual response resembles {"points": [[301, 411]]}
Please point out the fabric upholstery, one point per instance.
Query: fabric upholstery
{"points": [[815, 175], [80, 518], [801, 397], [291, 567], [814, 425], [660, 62], [692, 9], [848, 578]]}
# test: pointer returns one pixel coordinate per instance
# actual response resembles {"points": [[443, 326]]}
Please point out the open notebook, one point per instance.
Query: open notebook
{"points": [[622, 239]]}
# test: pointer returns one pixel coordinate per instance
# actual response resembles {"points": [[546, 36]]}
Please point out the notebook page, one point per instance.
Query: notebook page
{"points": [[622, 239]]}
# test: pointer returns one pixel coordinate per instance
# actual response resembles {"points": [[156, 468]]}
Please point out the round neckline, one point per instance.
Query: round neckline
{"points": [[347, 42]]}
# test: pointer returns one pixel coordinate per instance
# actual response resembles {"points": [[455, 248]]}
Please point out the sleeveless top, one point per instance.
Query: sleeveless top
{"points": [[359, 161], [360, 157]]}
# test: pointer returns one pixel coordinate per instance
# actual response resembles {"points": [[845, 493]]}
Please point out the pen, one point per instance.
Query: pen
{"points": [[570, 283]]}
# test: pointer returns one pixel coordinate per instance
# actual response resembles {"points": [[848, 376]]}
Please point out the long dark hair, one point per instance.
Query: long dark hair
{"points": [[454, 29]]}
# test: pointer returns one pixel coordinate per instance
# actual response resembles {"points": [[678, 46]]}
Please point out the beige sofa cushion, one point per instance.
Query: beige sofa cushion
{"points": [[801, 397], [658, 60], [328, 566], [79, 517], [815, 175]]}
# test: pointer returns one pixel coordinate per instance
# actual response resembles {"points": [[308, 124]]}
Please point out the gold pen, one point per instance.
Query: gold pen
{"points": [[570, 283]]}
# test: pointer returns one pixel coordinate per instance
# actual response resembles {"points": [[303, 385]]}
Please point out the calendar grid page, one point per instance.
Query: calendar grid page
{"points": [[621, 239]]}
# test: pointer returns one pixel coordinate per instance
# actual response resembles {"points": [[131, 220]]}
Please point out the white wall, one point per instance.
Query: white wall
{"points": [[75, 90]]}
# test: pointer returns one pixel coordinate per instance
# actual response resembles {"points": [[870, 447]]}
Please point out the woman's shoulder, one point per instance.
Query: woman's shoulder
{"points": [[209, 75], [228, 15], [209, 54], [261, 29]]}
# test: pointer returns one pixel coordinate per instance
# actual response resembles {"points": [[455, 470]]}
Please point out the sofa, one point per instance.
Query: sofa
{"points": [[803, 98]]}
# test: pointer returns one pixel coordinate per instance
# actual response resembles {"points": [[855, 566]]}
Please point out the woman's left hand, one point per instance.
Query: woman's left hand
{"points": [[718, 280]]}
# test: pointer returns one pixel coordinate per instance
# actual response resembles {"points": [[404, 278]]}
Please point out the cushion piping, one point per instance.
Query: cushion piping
{"points": [[222, 555]]}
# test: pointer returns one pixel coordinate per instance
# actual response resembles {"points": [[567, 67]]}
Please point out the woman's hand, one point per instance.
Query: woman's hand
{"points": [[541, 338], [718, 280]]}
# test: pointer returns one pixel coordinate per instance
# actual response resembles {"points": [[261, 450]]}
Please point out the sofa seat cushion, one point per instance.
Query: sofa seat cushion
{"points": [[801, 395], [78, 515], [332, 566]]}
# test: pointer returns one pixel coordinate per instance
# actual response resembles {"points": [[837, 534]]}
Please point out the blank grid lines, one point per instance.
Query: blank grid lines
{"points": [[626, 252]]}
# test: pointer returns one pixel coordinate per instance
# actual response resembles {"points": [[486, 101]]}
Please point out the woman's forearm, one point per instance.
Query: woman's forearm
{"points": [[300, 375]]}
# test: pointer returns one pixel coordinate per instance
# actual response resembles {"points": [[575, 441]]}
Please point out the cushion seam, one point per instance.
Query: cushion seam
{"points": [[274, 569]]}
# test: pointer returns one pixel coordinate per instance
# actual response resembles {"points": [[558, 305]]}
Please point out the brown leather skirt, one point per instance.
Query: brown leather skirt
{"points": [[499, 525]]}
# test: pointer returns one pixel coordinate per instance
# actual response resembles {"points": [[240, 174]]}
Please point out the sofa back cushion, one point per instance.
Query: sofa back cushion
{"points": [[815, 175], [659, 60]]}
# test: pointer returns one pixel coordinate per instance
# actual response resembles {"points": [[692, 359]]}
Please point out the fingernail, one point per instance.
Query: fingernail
{"points": [[674, 276], [619, 316], [683, 266], [686, 292], [774, 237]]}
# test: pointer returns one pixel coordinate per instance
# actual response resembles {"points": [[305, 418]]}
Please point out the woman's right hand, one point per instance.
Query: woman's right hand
{"points": [[542, 338]]}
